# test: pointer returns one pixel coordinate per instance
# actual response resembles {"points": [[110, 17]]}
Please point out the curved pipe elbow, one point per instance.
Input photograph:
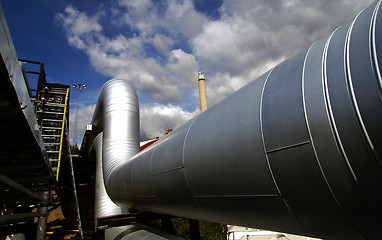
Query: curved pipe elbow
{"points": [[117, 114], [298, 150]]}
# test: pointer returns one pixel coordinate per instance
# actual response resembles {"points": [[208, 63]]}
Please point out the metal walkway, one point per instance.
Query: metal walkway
{"points": [[25, 171], [34, 143]]}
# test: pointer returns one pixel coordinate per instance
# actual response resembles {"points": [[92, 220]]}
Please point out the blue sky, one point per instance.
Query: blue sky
{"points": [[159, 46]]}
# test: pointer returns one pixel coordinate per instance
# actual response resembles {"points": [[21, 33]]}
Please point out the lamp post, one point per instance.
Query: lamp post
{"points": [[79, 86]]}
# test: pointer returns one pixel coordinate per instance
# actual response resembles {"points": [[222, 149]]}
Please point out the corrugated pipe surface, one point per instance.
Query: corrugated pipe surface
{"points": [[117, 114], [104, 207], [297, 150]]}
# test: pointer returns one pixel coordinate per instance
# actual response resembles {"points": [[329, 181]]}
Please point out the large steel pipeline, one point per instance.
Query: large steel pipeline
{"points": [[104, 207], [297, 150]]}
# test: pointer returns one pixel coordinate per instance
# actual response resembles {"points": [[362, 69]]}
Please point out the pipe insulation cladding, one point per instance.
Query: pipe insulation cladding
{"points": [[297, 150], [103, 206]]}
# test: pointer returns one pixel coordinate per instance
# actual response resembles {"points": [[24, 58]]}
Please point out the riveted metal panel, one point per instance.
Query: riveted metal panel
{"points": [[282, 113], [337, 174], [230, 133]]}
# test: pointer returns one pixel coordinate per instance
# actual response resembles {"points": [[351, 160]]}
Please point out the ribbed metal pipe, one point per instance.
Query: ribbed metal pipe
{"points": [[297, 150], [117, 114], [103, 206]]}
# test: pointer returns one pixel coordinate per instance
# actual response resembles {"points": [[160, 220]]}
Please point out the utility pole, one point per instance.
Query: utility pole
{"points": [[79, 86]]}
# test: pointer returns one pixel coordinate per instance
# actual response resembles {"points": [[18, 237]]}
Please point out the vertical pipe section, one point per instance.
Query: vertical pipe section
{"points": [[42, 221], [117, 114], [103, 206], [296, 150]]}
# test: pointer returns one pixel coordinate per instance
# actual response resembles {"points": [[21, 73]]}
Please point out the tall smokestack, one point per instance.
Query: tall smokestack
{"points": [[202, 91]]}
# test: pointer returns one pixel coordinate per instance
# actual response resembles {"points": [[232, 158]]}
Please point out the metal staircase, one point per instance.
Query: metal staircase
{"points": [[34, 142], [52, 110]]}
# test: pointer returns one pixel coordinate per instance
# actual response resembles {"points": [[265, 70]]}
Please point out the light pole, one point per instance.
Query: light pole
{"points": [[79, 86]]}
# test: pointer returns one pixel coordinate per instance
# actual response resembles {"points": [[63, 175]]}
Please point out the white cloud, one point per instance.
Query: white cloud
{"points": [[157, 118], [168, 41], [253, 36], [163, 43], [164, 78], [77, 123], [183, 18], [184, 68], [139, 6], [78, 24], [176, 16]]}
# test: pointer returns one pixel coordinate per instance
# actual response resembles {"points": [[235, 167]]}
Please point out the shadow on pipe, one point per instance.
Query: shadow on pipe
{"points": [[297, 150]]}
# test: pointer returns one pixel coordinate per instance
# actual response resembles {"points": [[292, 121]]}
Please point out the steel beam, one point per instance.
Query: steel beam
{"points": [[21, 188]]}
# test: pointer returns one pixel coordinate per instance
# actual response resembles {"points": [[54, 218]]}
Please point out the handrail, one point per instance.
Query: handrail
{"points": [[62, 134]]}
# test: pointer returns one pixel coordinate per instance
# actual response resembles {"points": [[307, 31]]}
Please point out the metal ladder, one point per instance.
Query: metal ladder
{"points": [[52, 115]]}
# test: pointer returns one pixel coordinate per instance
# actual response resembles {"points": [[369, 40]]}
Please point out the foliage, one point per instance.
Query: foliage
{"points": [[182, 227], [74, 149], [208, 230]]}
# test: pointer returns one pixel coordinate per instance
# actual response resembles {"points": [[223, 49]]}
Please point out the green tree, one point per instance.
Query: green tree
{"points": [[208, 230], [74, 149]]}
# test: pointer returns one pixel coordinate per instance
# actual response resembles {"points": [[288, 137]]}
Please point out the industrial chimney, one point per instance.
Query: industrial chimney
{"points": [[202, 91]]}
